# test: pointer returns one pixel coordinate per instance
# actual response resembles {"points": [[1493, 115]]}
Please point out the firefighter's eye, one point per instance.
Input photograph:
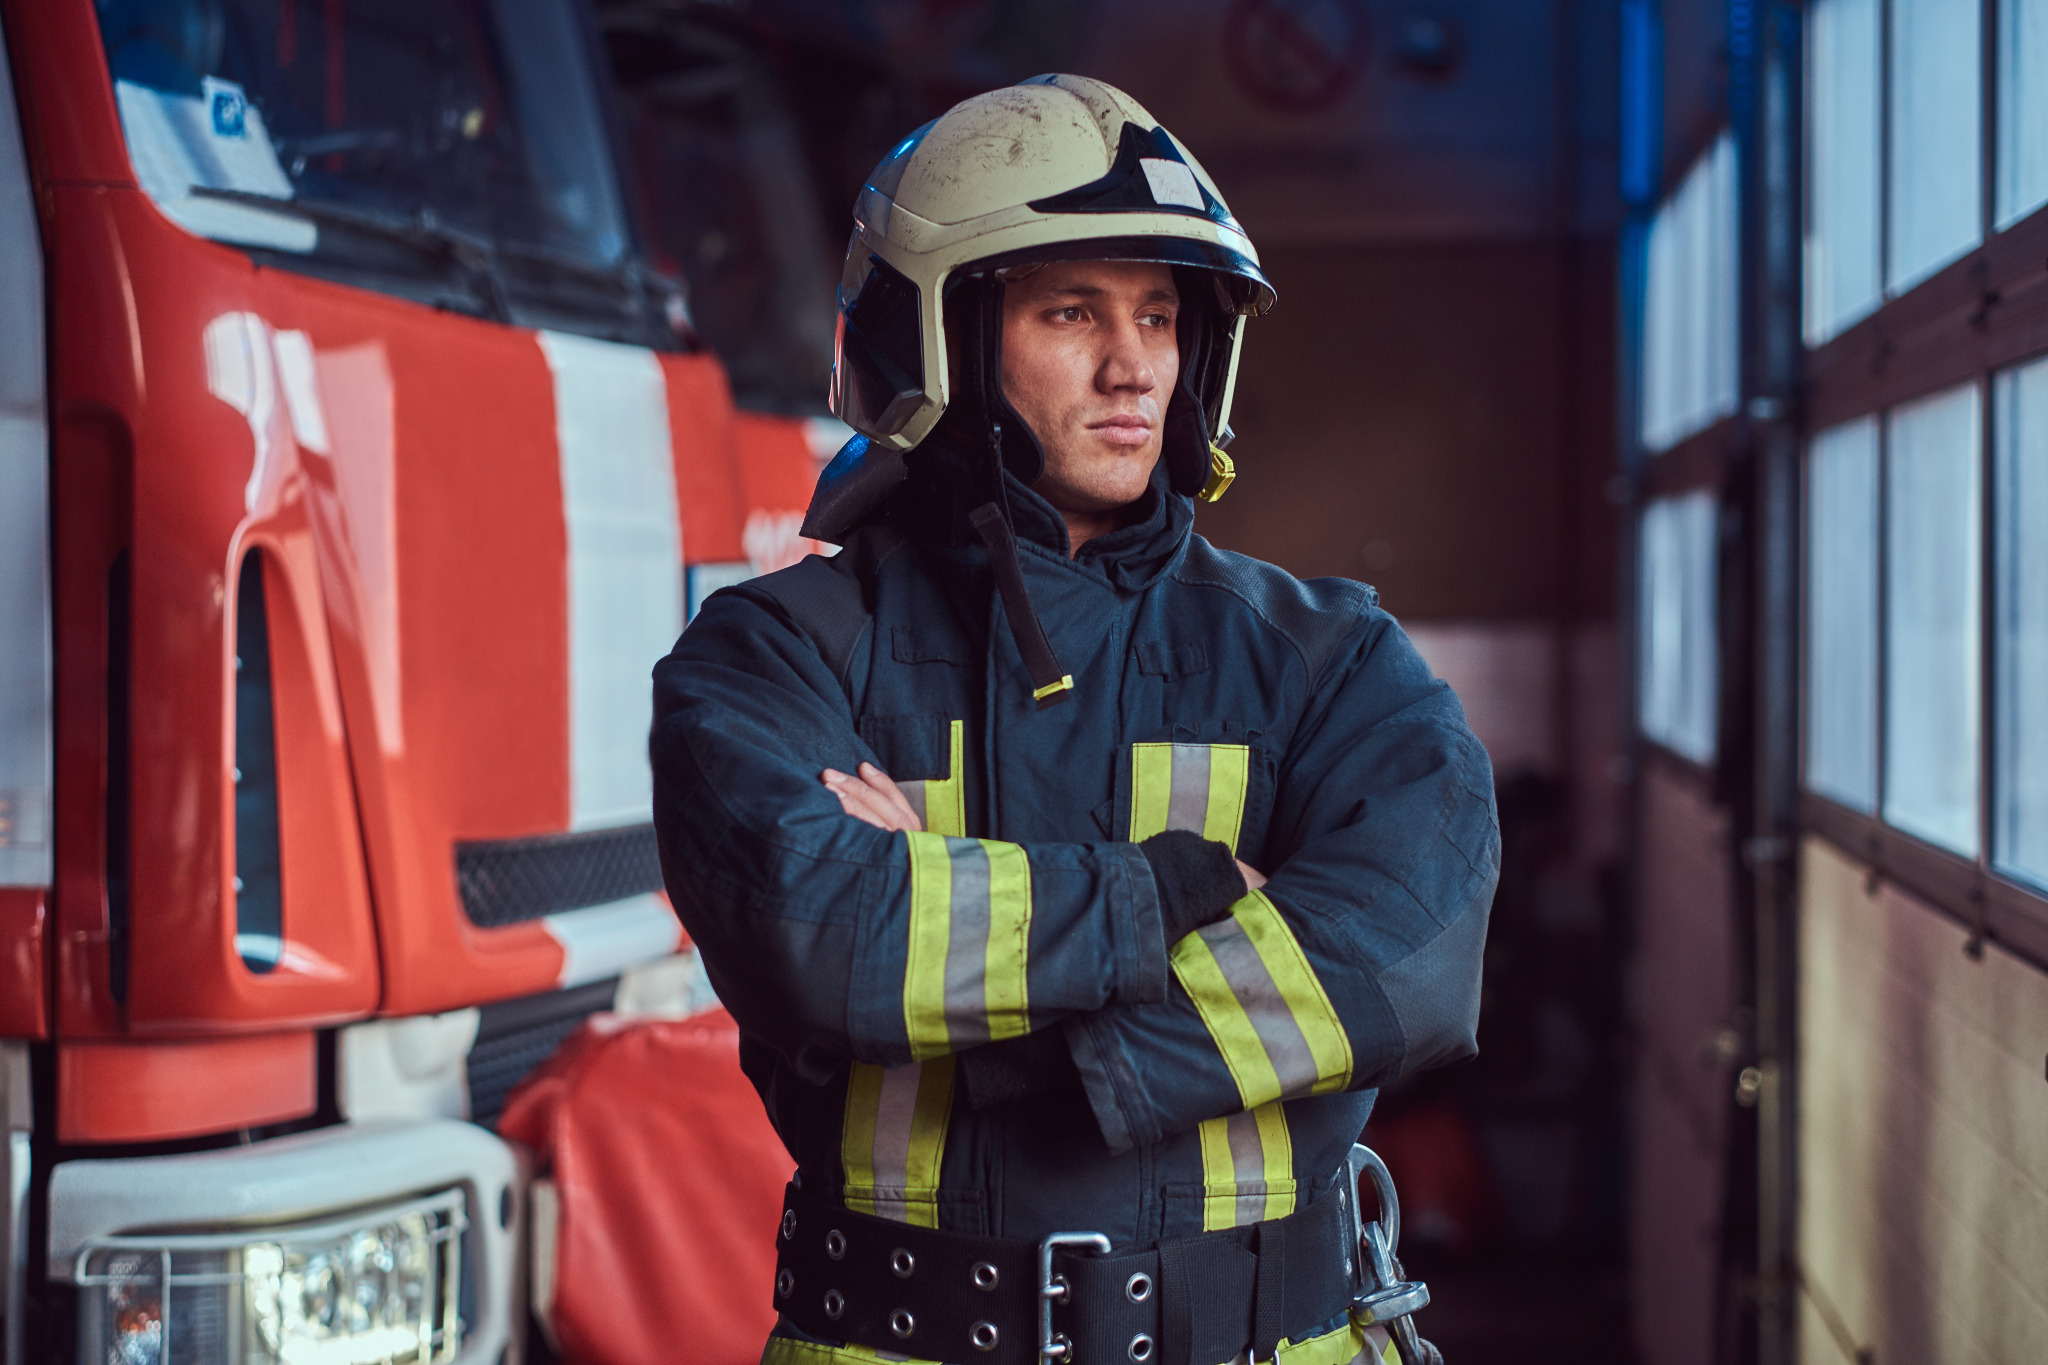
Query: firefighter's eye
{"points": [[1073, 312]]}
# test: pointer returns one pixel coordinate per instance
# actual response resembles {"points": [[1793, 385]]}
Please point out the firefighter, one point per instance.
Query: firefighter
{"points": [[1073, 882]]}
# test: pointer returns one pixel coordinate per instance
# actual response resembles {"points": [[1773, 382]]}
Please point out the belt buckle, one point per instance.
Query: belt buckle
{"points": [[1053, 1346], [1386, 1297]]}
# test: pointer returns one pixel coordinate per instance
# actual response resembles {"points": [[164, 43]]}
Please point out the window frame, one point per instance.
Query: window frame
{"points": [[1701, 459], [1983, 313]]}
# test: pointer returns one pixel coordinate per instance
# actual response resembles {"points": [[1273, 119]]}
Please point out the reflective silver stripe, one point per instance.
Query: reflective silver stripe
{"points": [[1188, 806], [1293, 1064], [1248, 1165], [967, 946], [895, 1113], [913, 792]]}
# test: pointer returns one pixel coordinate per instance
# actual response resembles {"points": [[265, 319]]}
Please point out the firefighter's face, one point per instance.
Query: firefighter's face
{"points": [[1089, 360]]}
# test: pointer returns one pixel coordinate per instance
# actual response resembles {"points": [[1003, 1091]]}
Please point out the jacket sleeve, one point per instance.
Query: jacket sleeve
{"points": [[1359, 960], [830, 939]]}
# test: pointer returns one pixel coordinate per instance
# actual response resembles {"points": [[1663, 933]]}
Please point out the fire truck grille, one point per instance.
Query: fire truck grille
{"points": [[515, 1036], [510, 881]]}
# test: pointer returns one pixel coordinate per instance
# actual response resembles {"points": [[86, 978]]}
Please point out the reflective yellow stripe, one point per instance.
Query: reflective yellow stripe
{"points": [[927, 1148], [857, 1135], [924, 971], [1230, 768], [1276, 1149], [1301, 989], [1194, 965], [1006, 973], [1263, 1005], [970, 933], [894, 1139], [1151, 789], [1247, 1168], [1219, 1176], [941, 802], [782, 1350], [1198, 787], [1352, 1344]]}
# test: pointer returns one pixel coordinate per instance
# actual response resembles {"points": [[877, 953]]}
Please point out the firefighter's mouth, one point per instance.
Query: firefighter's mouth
{"points": [[1123, 430]]}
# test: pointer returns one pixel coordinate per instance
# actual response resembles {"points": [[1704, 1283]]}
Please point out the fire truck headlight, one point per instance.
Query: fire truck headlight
{"points": [[363, 1289]]}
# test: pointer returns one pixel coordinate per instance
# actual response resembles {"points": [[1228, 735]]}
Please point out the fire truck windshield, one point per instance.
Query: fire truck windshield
{"points": [[451, 151]]}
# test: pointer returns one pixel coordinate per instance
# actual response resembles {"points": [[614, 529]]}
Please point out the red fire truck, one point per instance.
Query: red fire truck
{"points": [[353, 471]]}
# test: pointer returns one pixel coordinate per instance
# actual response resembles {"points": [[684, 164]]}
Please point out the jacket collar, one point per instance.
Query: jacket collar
{"points": [[936, 499]]}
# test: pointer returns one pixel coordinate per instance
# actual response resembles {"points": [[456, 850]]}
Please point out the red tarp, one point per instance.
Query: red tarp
{"points": [[670, 1184]]}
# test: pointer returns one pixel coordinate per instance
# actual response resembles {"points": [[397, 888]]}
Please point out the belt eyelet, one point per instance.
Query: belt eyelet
{"points": [[1138, 1288], [902, 1263], [985, 1277], [902, 1324], [1140, 1349], [788, 1224], [835, 1244], [984, 1336], [784, 1283], [835, 1304]]}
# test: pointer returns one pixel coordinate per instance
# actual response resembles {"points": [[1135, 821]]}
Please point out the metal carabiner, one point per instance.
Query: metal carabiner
{"points": [[1387, 1297]]}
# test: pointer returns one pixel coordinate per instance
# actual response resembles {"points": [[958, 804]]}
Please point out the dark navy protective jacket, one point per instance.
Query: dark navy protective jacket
{"points": [[1226, 1075]]}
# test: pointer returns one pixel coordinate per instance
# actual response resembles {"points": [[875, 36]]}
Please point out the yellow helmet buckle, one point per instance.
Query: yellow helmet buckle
{"points": [[1222, 474]]}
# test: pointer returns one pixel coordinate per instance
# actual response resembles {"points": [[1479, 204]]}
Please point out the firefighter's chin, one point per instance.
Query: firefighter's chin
{"points": [[1098, 472]]}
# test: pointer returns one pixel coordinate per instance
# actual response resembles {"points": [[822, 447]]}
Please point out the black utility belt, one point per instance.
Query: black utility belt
{"points": [[1069, 1300]]}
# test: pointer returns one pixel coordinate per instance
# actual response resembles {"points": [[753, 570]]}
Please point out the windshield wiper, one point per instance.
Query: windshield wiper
{"points": [[643, 296], [476, 257], [646, 295]]}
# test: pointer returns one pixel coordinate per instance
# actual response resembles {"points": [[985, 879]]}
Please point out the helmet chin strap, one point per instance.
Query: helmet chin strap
{"points": [[1186, 451], [1050, 684]]}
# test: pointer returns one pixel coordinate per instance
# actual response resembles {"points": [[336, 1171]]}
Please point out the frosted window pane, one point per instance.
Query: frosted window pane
{"points": [[1690, 343], [1842, 158], [1936, 184], [2022, 108], [1678, 664], [2020, 804], [1932, 572], [1841, 615]]}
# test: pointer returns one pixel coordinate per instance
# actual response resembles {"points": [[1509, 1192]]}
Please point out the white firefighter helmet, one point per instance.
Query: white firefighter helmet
{"points": [[1058, 167]]}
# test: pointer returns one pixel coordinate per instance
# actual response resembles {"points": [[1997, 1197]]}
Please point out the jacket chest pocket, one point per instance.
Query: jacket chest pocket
{"points": [[926, 757], [1219, 790]]}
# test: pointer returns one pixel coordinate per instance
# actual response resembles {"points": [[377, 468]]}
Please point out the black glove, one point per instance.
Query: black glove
{"points": [[1198, 880]]}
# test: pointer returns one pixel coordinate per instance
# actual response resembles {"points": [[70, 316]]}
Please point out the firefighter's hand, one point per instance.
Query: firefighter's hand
{"points": [[872, 797], [1253, 878]]}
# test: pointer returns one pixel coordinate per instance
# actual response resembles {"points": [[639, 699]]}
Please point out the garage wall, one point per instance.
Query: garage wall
{"points": [[1437, 420], [1923, 1113], [1684, 995]]}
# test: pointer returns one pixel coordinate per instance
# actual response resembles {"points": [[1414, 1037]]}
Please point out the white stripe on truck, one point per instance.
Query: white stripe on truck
{"points": [[26, 756], [625, 566]]}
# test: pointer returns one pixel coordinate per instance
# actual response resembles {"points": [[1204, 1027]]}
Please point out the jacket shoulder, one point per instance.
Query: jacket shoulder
{"points": [[829, 599], [1316, 615]]}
